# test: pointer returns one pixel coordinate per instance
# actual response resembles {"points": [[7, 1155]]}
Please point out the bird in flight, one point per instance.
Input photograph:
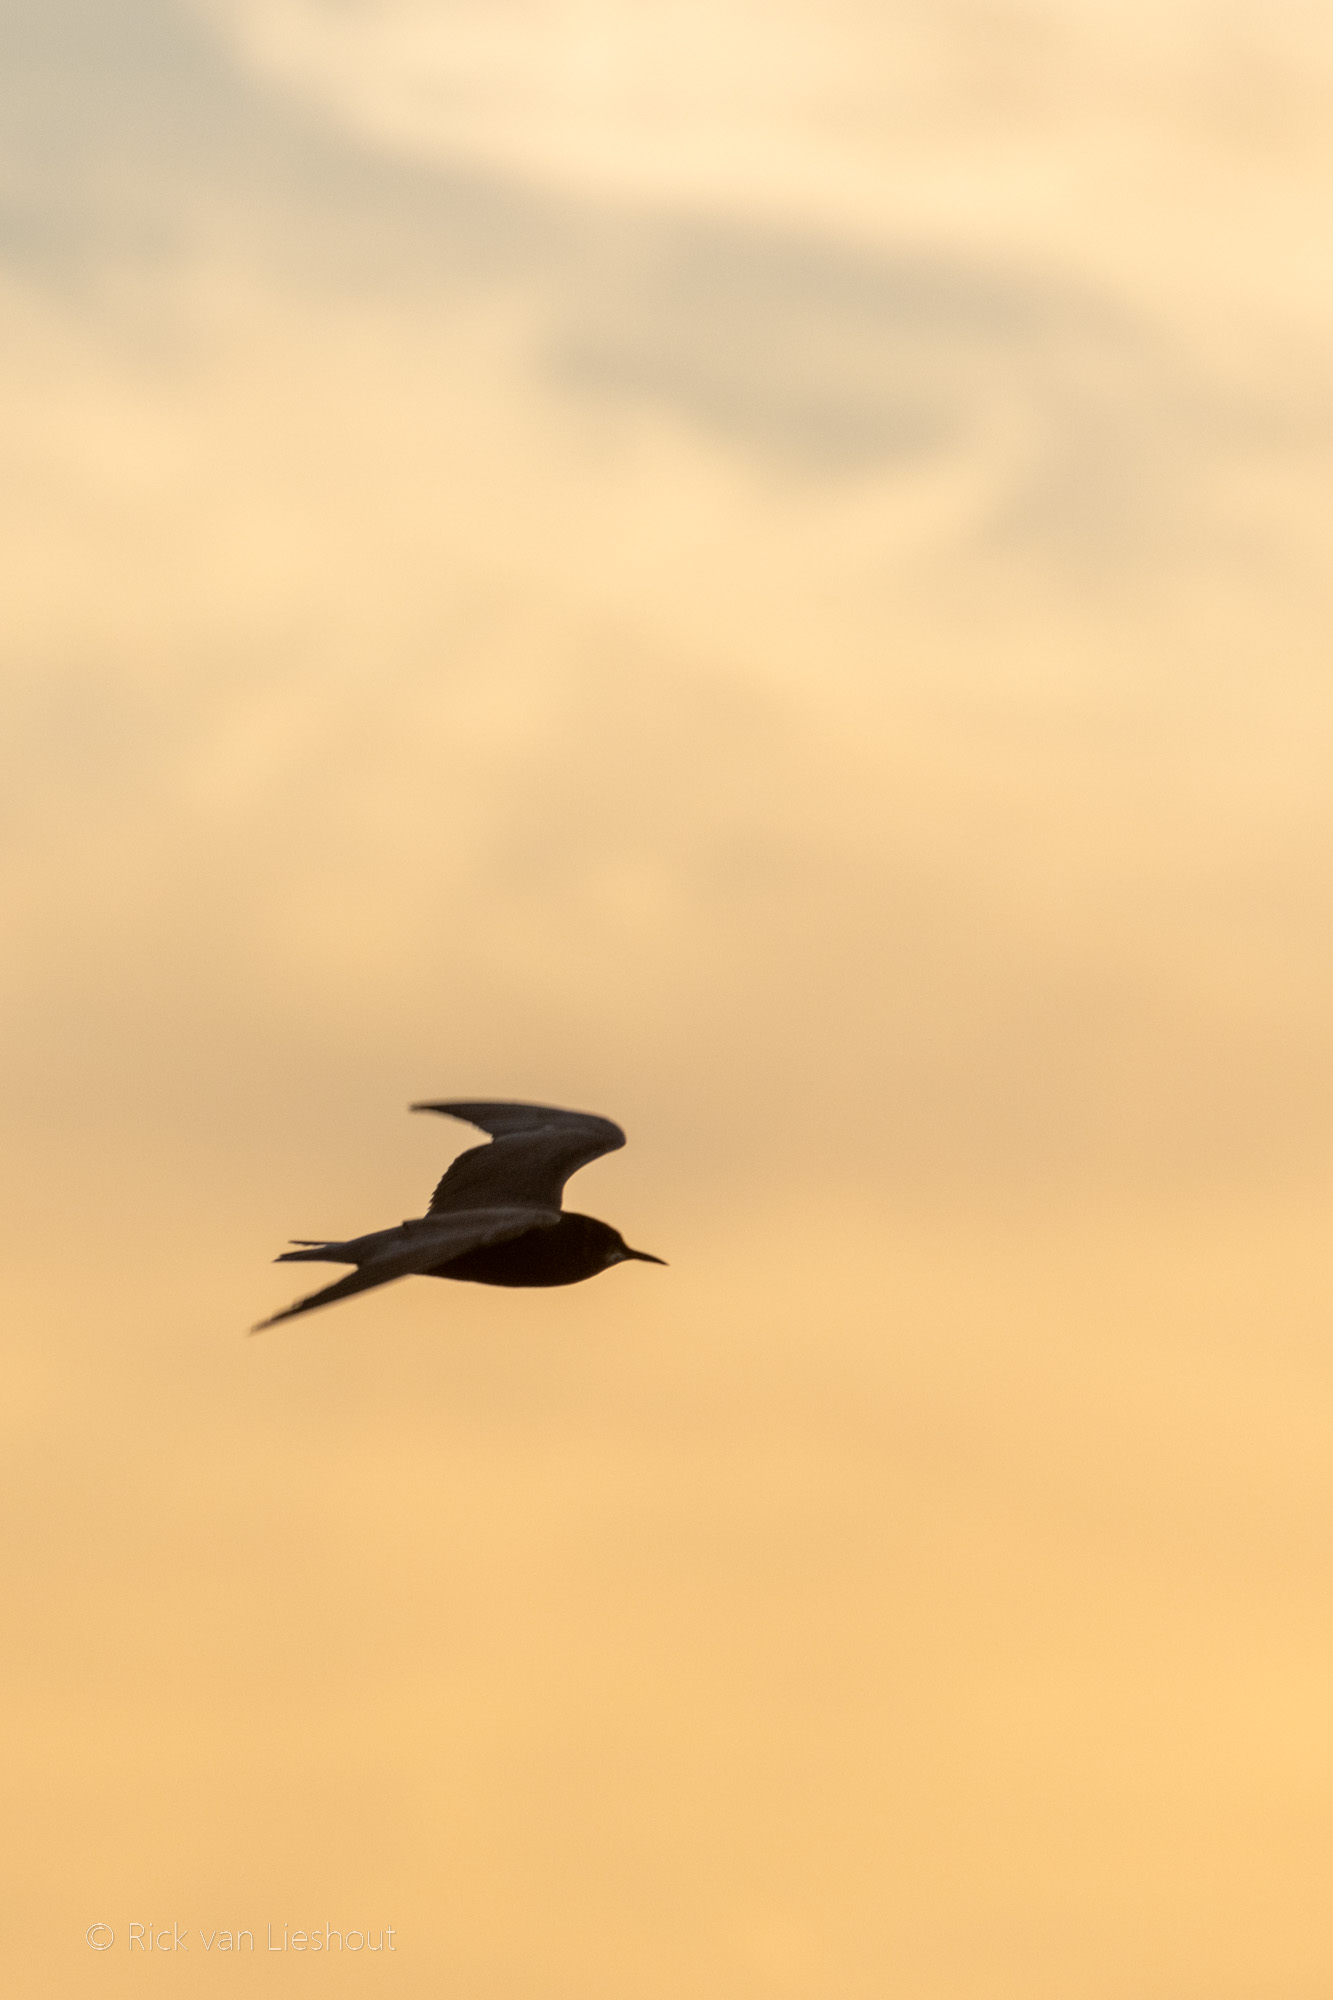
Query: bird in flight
{"points": [[495, 1217]]}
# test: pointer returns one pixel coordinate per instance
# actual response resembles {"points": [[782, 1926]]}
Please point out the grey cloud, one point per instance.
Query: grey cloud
{"points": [[829, 361], [129, 131], [133, 133]]}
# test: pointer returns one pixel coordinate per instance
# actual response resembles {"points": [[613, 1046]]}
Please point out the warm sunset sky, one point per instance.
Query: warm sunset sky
{"points": [[765, 570]]}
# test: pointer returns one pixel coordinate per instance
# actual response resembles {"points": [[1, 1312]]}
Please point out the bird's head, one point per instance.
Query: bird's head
{"points": [[619, 1252], [612, 1245]]}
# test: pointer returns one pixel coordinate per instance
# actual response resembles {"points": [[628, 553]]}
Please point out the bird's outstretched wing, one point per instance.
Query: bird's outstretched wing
{"points": [[343, 1288], [533, 1151], [416, 1246]]}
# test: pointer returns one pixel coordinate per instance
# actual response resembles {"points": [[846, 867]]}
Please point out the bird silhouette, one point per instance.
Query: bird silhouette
{"points": [[495, 1217]]}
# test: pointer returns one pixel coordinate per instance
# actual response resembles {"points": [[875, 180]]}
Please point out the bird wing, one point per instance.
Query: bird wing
{"points": [[533, 1151], [423, 1246]]}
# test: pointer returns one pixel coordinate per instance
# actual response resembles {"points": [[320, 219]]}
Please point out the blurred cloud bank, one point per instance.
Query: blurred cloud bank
{"points": [[896, 603]]}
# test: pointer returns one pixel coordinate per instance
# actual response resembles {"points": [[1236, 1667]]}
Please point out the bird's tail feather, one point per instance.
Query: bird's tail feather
{"points": [[315, 1253]]}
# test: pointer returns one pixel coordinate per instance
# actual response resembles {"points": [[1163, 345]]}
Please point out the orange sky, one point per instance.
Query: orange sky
{"points": [[762, 572]]}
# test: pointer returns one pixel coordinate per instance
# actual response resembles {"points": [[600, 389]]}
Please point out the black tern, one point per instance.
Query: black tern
{"points": [[495, 1218]]}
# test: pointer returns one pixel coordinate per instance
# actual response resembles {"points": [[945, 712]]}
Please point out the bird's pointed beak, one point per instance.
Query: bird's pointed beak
{"points": [[644, 1256]]}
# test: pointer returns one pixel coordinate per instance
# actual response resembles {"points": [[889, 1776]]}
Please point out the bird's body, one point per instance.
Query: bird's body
{"points": [[577, 1247], [495, 1217]]}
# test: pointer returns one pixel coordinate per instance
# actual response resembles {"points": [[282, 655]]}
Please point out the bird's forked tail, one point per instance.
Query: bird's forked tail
{"points": [[315, 1253]]}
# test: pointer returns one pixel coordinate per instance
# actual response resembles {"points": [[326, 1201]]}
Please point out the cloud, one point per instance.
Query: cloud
{"points": [[1072, 418], [791, 106], [536, 621]]}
